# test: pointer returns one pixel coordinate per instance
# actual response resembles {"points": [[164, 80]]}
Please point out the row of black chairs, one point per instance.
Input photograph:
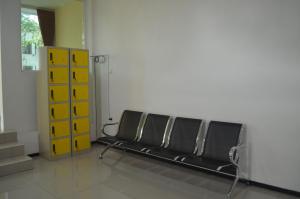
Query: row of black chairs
{"points": [[179, 140]]}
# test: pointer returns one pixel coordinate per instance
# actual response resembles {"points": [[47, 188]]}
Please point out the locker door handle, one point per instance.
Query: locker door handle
{"points": [[74, 110], [73, 58], [53, 148], [51, 76], [52, 112], [76, 144], [74, 93], [51, 58], [52, 94], [74, 75], [75, 126], [53, 130]]}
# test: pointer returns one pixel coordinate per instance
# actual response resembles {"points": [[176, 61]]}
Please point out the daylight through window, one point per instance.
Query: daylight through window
{"points": [[31, 39]]}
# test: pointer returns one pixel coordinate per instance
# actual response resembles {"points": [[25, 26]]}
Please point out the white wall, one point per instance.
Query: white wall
{"points": [[1, 103], [18, 88], [235, 60]]}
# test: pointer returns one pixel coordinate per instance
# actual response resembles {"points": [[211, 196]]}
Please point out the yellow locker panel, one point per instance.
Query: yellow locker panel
{"points": [[60, 147], [59, 111], [80, 109], [58, 56], [80, 75], [58, 93], [80, 92], [59, 129], [58, 75], [81, 125], [81, 143], [79, 57]]}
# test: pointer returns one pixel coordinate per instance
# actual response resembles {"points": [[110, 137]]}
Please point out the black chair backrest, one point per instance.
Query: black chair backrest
{"points": [[183, 137], [129, 124], [220, 138], [154, 129]]}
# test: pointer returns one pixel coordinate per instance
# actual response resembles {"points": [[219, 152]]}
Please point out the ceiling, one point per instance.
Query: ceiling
{"points": [[49, 4]]}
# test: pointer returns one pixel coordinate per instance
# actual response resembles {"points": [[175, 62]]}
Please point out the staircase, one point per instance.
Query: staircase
{"points": [[12, 157]]}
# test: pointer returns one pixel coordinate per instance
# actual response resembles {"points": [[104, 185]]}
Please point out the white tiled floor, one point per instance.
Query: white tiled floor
{"points": [[120, 176]]}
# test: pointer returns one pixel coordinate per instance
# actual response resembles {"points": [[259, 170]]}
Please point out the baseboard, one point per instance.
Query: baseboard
{"points": [[274, 188], [33, 155], [94, 142]]}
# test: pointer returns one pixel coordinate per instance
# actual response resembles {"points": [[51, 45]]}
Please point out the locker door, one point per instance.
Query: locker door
{"points": [[79, 58], [80, 75], [58, 93], [58, 75], [80, 92], [59, 129], [58, 56], [81, 125], [59, 111], [60, 147], [81, 143], [80, 109]]}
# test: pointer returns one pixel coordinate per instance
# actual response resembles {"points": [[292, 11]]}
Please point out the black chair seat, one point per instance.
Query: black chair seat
{"points": [[210, 164], [111, 140], [135, 146], [108, 140], [153, 151], [166, 154]]}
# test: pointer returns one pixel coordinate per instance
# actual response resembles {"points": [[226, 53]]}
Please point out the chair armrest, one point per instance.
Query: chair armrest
{"points": [[234, 155], [108, 124]]}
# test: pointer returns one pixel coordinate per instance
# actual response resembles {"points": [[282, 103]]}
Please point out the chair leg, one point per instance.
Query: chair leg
{"points": [[233, 184], [106, 149]]}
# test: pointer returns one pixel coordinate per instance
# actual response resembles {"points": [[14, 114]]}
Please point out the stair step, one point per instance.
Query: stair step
{"points": [[8, 136], [15, 164], [10, 150]]}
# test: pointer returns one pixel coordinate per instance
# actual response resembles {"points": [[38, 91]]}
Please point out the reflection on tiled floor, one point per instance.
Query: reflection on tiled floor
{"points": [[120, 176]]}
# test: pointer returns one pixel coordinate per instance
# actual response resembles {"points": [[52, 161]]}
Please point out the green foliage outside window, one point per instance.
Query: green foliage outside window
{"points": [[30, 32]]}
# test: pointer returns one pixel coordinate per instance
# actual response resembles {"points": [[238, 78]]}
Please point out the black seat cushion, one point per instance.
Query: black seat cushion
{"points": [[134, 146], [154, 129], [111, 140], [108, 140], [210, 164], [129, 124], [166, 154], [184, 135], [151, 150], [220, 138]]}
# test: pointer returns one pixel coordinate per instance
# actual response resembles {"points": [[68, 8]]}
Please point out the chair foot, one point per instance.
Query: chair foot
{"points": [[228, 196], [106, 149]]}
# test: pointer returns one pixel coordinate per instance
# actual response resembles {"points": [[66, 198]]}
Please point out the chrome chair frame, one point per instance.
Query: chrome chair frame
{"points": [[234, 153], [118, 143]]}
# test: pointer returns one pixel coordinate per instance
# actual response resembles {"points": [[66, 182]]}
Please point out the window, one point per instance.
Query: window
{"points": [[31, 39], [27, 49]]}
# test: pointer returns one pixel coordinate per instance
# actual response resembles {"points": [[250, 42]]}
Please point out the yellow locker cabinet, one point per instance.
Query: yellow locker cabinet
{"points": [[81, 125], [58, 57], [58, 75], [59, 111], [80, 92], [79, 57], [80, 109], [60, 147], [58, 93], [81, 143], [60, 129], [80, 75], [63, 101]]}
